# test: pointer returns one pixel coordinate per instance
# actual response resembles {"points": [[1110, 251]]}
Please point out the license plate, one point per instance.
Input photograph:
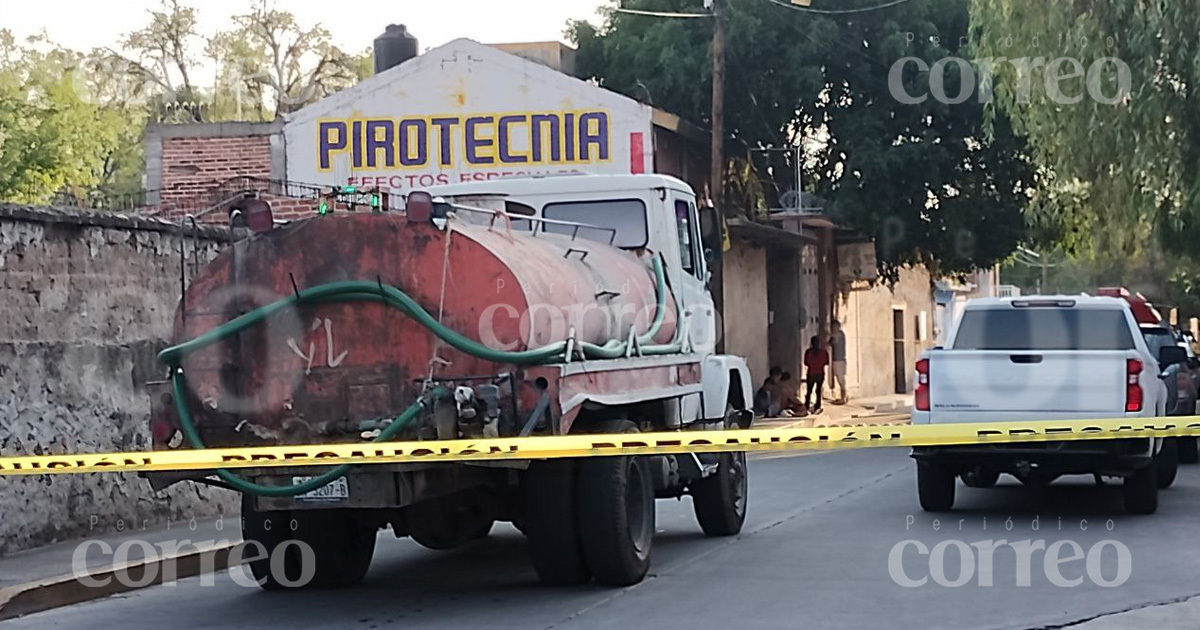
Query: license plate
{"points": [[334, 492]]}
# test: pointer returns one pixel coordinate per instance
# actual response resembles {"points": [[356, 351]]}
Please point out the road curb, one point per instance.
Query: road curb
{"points": [[65, 590]]}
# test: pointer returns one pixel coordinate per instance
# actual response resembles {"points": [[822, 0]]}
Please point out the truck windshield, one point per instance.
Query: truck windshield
{"points": [[626, 216], [1043, 329], [1157, 339]]}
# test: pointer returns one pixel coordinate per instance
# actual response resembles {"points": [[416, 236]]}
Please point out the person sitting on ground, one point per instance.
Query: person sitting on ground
{"points": [[790, 401], [770, 395], [816, 359]]}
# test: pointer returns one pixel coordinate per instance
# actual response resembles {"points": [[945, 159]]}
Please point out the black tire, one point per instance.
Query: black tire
{"points": [[980, 478], [1166, 463], [935, 487], [1141, 491], [269, 529], [720, 499], [615, 498], [342, 541], [549, 522], [1188, 451]]}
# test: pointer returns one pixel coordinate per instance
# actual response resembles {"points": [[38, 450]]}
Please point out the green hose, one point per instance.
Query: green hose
{"points": [[320, 481], [366, 291]]}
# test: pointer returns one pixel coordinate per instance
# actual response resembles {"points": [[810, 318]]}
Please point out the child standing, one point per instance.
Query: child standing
{"points": [[816, 359]]}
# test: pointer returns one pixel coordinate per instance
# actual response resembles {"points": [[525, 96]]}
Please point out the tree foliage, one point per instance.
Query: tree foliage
{"points": [[1126, 162], [73, 123], [922, 178], [270, 54], [49, 136]]}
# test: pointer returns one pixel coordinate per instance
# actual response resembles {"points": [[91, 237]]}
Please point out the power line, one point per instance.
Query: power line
{"points": [[664, 14], [837, 11]]}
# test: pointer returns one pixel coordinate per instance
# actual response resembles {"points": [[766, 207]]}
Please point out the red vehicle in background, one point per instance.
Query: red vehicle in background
{"points": [[1143, 311], [1183, 380]]}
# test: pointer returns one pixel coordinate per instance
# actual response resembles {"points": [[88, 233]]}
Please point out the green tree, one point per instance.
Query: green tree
{"points": [[922, 178], [271, 57], [1107, 97], [50, 136]]}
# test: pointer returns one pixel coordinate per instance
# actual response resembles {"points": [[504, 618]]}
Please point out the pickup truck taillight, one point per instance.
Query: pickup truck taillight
{"points": [[921, 395], [1133, 386]]}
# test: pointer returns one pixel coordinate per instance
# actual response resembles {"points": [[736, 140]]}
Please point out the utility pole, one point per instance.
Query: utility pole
{"points": [[1045, 286], [717, 180]]}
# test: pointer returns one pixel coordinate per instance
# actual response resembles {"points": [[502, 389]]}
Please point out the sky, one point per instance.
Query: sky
{"points": [[85, 24]]}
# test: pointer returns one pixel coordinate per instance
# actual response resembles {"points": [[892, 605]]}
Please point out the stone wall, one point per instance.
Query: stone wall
{"points": [[86, 301]]}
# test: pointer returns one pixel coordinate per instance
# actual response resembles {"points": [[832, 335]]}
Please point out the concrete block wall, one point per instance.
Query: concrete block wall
{"points": [[867, 319], [86, 302]]}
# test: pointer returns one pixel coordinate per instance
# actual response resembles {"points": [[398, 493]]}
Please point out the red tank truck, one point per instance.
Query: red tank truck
{"points": [[520, 307]]}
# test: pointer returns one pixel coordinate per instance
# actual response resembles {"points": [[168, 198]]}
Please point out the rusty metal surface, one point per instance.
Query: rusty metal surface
{"points": [[318, 367]]}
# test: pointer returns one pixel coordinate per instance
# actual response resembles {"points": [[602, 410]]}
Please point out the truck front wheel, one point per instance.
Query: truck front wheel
{"points": [[720, 498], [616, 513], [935, 487]]}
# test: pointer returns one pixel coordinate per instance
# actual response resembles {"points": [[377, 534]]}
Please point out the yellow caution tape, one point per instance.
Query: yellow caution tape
{"points": [[818, 438]]}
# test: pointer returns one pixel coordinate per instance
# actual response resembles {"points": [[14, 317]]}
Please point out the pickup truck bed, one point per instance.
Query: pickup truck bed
{"points": [[1058, 358]]}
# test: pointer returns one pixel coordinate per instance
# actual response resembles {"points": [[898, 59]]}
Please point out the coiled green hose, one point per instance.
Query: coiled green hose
{"points": [[366, 291]]}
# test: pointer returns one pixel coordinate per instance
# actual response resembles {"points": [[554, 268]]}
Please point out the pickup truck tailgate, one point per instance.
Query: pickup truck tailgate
{"points": [[963, 382]]}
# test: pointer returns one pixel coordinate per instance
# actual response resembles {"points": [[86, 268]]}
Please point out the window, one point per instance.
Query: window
{"points": [[683, 224], [626, 216], [1043, 329]]}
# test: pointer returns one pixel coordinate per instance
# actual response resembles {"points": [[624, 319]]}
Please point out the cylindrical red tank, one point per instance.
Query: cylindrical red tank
{"points": [[290, 379]]}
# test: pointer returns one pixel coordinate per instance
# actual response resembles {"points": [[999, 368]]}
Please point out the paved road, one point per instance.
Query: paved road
{"points": [[814, 553]]}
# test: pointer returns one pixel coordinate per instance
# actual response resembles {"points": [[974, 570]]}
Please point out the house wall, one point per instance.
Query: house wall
{"points": [[868, 318], [745, 307]]}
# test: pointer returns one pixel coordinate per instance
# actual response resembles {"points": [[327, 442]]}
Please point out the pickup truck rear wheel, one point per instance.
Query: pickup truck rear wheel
{"points": [[1188, 453], [616, 512], [550, 523], [935, 487], [1141, 491], [1166, 463]]}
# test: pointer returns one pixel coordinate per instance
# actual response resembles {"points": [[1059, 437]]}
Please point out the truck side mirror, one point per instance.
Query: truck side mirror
{"points": [[1171, 355], [710, 233]]}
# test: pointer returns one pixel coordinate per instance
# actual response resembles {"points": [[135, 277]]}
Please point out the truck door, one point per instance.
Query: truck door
{"points": [[697, 302]]}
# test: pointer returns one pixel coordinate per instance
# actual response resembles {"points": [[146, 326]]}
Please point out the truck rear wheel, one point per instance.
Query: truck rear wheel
{"points": [[1166, 463], [342, 545], [935, 487], [720, 499], [549, 522], [616, 513], [308, 548], [271, 530], [1141, 491]]}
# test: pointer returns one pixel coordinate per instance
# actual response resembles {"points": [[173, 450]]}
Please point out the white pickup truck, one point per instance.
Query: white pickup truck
{"points": [[1043, 358]]}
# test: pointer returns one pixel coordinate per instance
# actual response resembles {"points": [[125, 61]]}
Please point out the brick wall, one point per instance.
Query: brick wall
{"points": [[192, 167], [86, 301]]}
